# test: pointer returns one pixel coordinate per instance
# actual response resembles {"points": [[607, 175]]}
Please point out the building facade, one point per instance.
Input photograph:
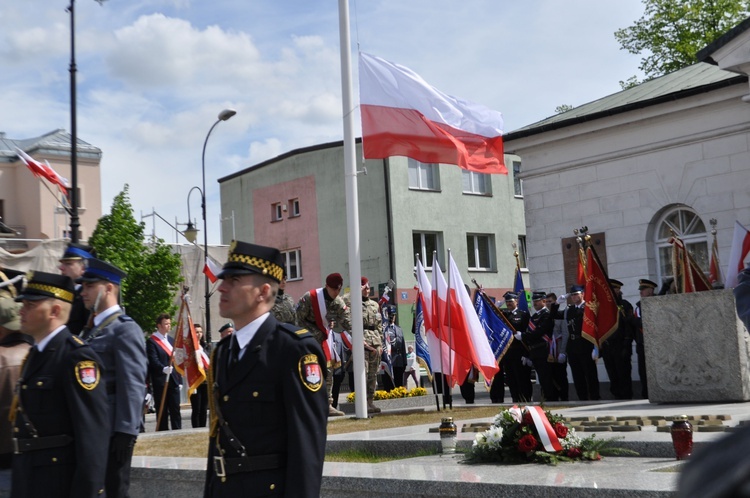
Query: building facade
{"points": [[296, 202], [32, 207]]}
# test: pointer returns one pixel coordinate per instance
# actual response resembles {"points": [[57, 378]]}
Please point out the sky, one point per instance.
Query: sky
{"points": [[154, 74]]}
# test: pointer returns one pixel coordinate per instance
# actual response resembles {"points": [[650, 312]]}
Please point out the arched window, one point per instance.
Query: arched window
{"points": [[687, 225]]}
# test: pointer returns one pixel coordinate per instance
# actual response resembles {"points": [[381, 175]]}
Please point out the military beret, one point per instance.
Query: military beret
{"points": [[43, 285], [646, 284], [334, 280], [97, 270], [364, 281], [226, 326], [245, 258]]}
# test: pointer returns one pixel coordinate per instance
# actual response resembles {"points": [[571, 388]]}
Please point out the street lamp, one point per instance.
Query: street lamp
{"points": [[223, 116], [191, 233], [74, 222]]}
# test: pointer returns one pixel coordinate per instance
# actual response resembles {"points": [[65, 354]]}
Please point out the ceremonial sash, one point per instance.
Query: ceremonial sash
{"points": [[552, 344], [165, 345], [347, 338], [544, 428], [204, 359], [319, 310]]}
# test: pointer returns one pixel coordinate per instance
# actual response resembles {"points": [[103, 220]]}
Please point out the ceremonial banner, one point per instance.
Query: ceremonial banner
{"points": [[498, 332], [523, 303], [738, 253], [189, 358], [403, 115], [421, 349], [688, 276], [601, 315]]}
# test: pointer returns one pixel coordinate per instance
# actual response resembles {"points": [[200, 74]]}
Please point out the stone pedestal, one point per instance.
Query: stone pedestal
{"points": [[697, 349]]}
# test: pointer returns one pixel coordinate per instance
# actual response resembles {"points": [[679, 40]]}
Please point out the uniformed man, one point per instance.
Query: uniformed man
{"points": [[268, 427], [283, 308], [517, 373], [372, 323], [73, 264], [646, 288], [617, 350], [315, 310], [559, 348], [118, 341], [537, 337], [165, 381], [581, 353], [61, 422]]}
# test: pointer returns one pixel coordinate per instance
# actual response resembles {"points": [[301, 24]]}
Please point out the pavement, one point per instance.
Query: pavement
{"points": [[653, 474]]}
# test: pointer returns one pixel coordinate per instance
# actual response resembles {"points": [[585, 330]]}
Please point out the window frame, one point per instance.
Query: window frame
{"points": [[294, 207], [489, 239], [277, 213], [685, 230], [517, 182], [423, 256], [431, 170], [474, 178], [287, 255]]}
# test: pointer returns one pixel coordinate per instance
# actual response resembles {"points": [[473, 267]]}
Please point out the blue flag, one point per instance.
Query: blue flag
{"points": [[421, 349], [523, 303], [498, 332]]}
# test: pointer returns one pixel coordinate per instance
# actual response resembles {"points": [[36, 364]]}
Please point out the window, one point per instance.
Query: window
{"points": [[522, 251], [293, 264], [276, 211], [481, 249], [690, 228], [293, 208], [423, 176], [79, 197], [425, 243], [517, 182], [475, 183]]}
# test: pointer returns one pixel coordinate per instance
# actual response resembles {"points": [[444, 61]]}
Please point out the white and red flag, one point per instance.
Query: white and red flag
{"points": [[44, 171], [189, 358], [440, 354], [403, 115], [738, 255], [211, 269]]}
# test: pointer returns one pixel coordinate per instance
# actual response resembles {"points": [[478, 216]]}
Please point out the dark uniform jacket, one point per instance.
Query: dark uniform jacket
{"points": [[573, 315], [61, 395], [540, 329], [157, 360], [122, 350], [274, 401], [79, 315], [520, 321]]}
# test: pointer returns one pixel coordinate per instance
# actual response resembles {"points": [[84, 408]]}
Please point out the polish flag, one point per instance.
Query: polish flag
{"points": [[44, 170], [403, 115], [738, 254], [469, 339], [211, 269], [440, 354]]}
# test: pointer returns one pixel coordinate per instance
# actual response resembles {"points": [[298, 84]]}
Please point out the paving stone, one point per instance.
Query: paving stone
{"points": [[710, 428], [599, 428], [626, 428]]}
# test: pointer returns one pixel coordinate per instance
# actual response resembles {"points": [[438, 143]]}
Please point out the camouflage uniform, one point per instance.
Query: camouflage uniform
{"points": [[372, 323], [283, 309], [336, 311]]}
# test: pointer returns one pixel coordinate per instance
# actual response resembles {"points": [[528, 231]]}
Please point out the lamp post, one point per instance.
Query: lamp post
{"points": [[191, 233], [74, 222], [223, 116]]}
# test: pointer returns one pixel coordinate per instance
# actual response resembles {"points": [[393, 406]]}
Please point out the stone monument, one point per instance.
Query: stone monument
{"points": [[697, 349]]}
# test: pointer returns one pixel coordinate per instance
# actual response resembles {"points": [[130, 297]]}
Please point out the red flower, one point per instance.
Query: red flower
{"points": [[574, 453], [527, 420], [527, 443], [561, 430]]}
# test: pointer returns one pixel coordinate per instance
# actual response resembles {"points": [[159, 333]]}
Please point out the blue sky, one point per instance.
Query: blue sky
{"points": [[153, 75]]}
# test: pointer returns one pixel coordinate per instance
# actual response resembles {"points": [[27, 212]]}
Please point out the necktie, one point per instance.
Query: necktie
{"points": [[235, 354]]}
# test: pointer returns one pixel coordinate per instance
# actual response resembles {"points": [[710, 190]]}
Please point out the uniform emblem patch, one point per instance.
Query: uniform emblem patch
{"points": [[310, 372], [88, 374]]}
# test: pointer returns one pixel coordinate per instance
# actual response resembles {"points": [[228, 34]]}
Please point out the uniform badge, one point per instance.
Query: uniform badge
{"points": [[310, 372], [88, 374]]}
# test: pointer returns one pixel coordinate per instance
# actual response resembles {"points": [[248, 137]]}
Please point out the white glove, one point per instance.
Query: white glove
{"points": [[167, 370], [180, 387], [595, 354], [561, 358], [526, 362], [562, 299], [517, 335]]}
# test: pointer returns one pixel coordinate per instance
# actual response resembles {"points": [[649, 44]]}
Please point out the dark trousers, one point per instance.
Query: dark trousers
{"points": [[517, 376], [640, 350], [443, 388], [585, 377], [171, 413], [544, 376], [199, 404], [117, 478], [617, 358], [413, 374], [560, 380], [398, 376], [497, 389], [338, 379]]}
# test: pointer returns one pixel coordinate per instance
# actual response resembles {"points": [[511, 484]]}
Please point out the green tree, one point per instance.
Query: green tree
{"points": [[563, 108], [153, 270], [673, 31]]}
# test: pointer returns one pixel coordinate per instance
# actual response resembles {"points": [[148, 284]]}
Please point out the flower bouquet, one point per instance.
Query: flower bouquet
{"points": [[530, 434]]}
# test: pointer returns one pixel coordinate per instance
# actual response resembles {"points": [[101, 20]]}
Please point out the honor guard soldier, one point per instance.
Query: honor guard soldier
{"points": [[646, 288], [538, 337], [269, 407], [581, 353], [118, 341], [617, 349], [283, 308], [517, 374], [73, 264], [61, 418]]}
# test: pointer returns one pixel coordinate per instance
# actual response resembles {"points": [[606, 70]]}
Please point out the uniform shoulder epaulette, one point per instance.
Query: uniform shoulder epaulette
{"points": [[125, 318], [295, 331], [77, 341]]}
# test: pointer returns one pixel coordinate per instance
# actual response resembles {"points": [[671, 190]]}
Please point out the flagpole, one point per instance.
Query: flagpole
{"points": [[440, 360], [450, 331], [352, 212]]}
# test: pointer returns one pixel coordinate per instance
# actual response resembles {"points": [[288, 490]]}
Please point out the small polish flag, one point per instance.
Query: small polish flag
{"points": [[738, 253], [211, 269]]}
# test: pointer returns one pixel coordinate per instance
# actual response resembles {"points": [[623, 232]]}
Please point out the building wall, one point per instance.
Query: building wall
{"points": [[618, 174]]}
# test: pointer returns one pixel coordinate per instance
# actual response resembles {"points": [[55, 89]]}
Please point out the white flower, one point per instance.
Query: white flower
{"points": [[571, 440], [493, 436]]}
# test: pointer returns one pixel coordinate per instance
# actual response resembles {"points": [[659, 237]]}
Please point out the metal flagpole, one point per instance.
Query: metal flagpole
{"points": [[450, 329], [352, 213]]}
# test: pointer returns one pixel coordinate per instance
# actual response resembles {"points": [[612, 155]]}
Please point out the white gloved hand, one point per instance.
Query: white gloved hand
{"points": [[180, 387], [526, 362], [595, 354], [561, 358], [167, 370], [517, 335], [562, 299]]}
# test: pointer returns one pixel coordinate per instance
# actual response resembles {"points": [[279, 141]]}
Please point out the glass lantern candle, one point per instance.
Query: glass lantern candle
{"points": [[448, 435], [682, 437]]}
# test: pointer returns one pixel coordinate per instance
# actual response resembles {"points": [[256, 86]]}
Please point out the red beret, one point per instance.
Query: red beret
{"points": [[334, 280], [364, 281]]}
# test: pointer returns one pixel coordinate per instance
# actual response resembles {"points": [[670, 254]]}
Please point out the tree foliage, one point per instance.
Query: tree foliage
{"points": [[673, 31], [153, 270], [563, 108]]}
